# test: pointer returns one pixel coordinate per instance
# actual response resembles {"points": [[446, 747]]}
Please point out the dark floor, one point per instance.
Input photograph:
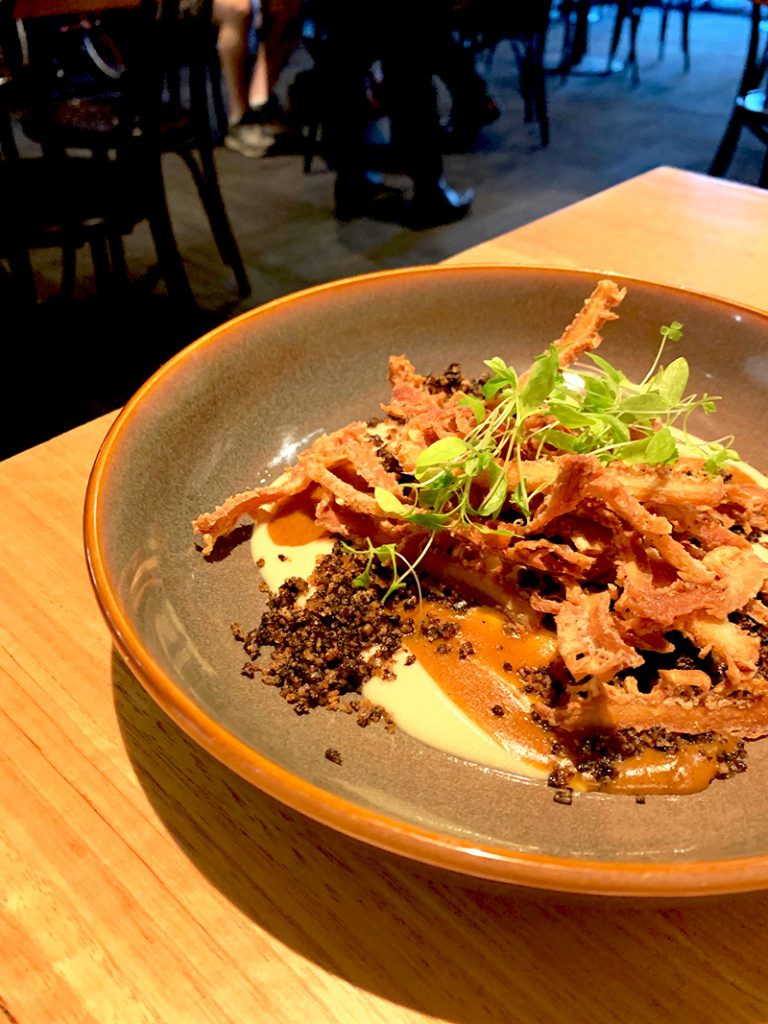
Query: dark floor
{"points": [[71, 364]]}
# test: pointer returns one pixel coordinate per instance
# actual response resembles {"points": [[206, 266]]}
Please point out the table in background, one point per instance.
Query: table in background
{"points": [[144, 882]]}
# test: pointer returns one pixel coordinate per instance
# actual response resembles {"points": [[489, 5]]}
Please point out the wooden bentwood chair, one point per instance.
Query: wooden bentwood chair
{"points": [[146, 95], [750, 108], [575, 16], [53, 201]]}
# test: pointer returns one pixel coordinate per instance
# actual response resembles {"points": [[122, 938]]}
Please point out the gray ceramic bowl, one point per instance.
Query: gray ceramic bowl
{"points": [[221, 416]]}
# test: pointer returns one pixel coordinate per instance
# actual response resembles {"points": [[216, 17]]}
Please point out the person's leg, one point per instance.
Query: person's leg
{"points": [[281, 34], [258, 89], [410, 45], [343, 58], [234, 18], [472, 107]]}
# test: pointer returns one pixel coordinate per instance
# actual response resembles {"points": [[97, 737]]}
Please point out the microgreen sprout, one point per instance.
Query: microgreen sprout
{"points": [[591, 409], [387, 554]]}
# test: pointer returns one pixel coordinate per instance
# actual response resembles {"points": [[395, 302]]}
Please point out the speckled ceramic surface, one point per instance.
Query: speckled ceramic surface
{"points": [[226, 415]]}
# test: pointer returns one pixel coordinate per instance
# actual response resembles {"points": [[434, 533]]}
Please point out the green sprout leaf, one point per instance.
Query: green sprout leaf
{"points": [[672, 332], [385, 553], [476, 405], [540, 381], [503, 376], [610, 371], [661, 448], [439, 455], [389, 503], [497, 493], [590, 409], [672, 381], [718, 458]]}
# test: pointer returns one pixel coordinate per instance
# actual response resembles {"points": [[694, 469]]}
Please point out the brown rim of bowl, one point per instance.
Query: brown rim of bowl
{"points": [[537, 871]]}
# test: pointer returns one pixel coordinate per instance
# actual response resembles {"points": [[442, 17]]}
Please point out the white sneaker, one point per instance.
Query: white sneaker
{"points": [[248, 139]]}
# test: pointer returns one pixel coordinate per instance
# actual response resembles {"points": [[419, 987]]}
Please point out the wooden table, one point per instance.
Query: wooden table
{"points": [[144, 882]]}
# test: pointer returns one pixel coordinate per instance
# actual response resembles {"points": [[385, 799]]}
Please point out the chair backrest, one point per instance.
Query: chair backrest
{"points": [[136, 54], [23, 9], [125, 77], [69, 49], [756, 63]]}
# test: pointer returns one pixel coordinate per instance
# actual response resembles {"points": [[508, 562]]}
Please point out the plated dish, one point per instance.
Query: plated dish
{"points": [[540, 570], [203, 428]]}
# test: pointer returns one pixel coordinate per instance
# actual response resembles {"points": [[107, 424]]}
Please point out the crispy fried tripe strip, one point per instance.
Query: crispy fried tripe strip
{"points": [[583, 332]]}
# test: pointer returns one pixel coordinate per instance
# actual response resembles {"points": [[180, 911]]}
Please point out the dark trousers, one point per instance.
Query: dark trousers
{"points": [[407, 37]]}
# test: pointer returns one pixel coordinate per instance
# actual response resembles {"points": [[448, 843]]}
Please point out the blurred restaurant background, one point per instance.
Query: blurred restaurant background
{"points": [[136, 217]]}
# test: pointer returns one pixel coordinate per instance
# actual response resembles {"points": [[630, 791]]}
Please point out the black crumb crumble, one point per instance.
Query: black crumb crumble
{"points": [[389, 462], [560, 777], [599, 755], [544, 684], [333, 755], [318, 648], [452, 379], [435, 628]]}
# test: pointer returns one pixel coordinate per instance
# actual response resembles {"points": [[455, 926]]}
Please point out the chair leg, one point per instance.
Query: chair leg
{"points": [[624, 9], [685, 14], [722, 158], [539, 90], [567, 53], [102, 268], [686, 34], [663, 29], [207, 181], [634, 24], [218, 109], [618, 25], [68, 270], [117, 259], [168, 255], [311, 136], [522, 52], [221, 226]]}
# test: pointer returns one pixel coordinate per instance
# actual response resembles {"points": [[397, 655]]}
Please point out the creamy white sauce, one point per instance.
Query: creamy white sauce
{"points": [[277, 564], [415, 701], [755, 474], [420, 708]]}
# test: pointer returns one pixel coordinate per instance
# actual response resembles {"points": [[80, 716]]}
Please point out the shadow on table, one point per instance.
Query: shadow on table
{"points": [[66, 363], [450, 946]]}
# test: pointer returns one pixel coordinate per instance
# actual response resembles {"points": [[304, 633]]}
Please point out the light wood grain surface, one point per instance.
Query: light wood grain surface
{"points": [[666, 226], [144, 882]]}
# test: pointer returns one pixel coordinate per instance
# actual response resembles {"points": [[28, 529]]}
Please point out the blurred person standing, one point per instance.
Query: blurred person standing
{"points": [[407, 37], [255, 117]]}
